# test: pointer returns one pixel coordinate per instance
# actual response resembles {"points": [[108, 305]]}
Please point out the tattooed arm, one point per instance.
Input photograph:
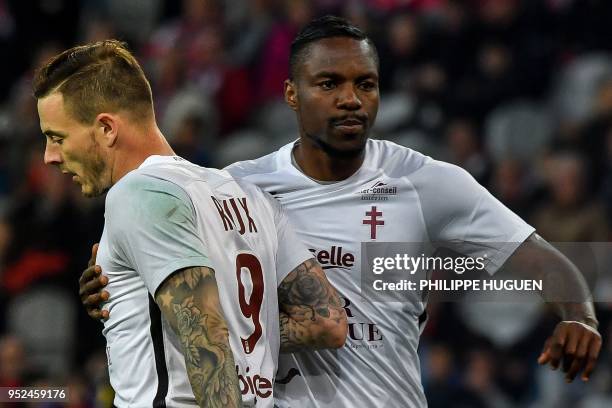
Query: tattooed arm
{"points": [[189, 300], [311, 314]]}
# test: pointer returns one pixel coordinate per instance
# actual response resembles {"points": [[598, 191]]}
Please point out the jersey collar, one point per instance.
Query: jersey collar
{"points": [[286, 162], [157, 159]]}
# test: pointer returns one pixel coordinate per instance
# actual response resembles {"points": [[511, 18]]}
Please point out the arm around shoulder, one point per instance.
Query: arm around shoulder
{"points": [[311, 313]]}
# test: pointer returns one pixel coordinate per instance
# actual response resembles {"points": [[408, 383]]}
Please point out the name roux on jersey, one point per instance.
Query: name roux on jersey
{"points": [[228, 218]]}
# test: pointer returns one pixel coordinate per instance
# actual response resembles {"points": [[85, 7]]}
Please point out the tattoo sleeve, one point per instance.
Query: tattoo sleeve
{"points": [[311, 314], [189, 300]]}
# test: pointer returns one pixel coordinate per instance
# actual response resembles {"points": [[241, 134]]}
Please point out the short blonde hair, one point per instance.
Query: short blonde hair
{"points": [[94, 78]]}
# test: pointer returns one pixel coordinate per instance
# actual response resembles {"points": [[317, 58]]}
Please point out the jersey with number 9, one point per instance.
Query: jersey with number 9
{"points": [[189, 216]]}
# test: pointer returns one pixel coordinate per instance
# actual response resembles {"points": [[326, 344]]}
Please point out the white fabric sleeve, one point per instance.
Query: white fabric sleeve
{"points": [[463, 215], [151, 223], [291, 251]]}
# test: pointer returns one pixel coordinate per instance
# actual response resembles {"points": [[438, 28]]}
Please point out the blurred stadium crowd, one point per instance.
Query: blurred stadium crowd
{"points": [[519, 93]]}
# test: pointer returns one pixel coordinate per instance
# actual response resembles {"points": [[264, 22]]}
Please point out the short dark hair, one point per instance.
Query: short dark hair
{"points": [[94, 78], [319, 29]]}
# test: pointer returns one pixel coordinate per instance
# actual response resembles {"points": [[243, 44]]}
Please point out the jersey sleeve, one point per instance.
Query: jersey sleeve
{"points": [[152, 227], [462, 214], [291, 251]]}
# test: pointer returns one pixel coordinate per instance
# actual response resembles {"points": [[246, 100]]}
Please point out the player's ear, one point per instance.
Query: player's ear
{"points": [[291, 94], [106, 128]]}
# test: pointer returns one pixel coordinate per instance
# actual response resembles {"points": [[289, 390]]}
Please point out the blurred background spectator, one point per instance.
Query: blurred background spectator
{"points": [[517, 92]]}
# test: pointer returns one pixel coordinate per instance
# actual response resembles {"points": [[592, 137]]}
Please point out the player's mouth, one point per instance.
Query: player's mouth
{"points": [[350, 125], [75, 177]]}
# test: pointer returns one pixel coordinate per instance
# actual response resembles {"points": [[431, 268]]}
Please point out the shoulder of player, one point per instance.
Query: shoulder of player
{"points": [[403, 161], [137, 185], [395, 159], [444, 169], [443, 177], [246, 168]]}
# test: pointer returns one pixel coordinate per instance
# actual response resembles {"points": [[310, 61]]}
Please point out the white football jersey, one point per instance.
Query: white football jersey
{"points": [[170, 214], [398, 195]]}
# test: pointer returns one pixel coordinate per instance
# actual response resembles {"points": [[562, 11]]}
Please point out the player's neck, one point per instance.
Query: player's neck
{"points": [[319, 165], [137, 150]]}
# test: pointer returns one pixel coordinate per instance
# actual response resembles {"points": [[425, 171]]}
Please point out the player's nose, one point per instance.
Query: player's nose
{"points": [[52, 155], [348, 98]]}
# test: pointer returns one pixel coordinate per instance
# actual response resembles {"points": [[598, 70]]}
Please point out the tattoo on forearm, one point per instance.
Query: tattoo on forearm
{"points": [[306, 298], [189, 301]]}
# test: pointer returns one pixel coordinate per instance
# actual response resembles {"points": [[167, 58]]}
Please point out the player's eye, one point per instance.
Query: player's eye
{"points": [[327, 85], [55, 139], [367, 85]]}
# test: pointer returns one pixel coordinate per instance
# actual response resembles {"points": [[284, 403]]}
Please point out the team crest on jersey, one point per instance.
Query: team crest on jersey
{"points": [[379, 191]]}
